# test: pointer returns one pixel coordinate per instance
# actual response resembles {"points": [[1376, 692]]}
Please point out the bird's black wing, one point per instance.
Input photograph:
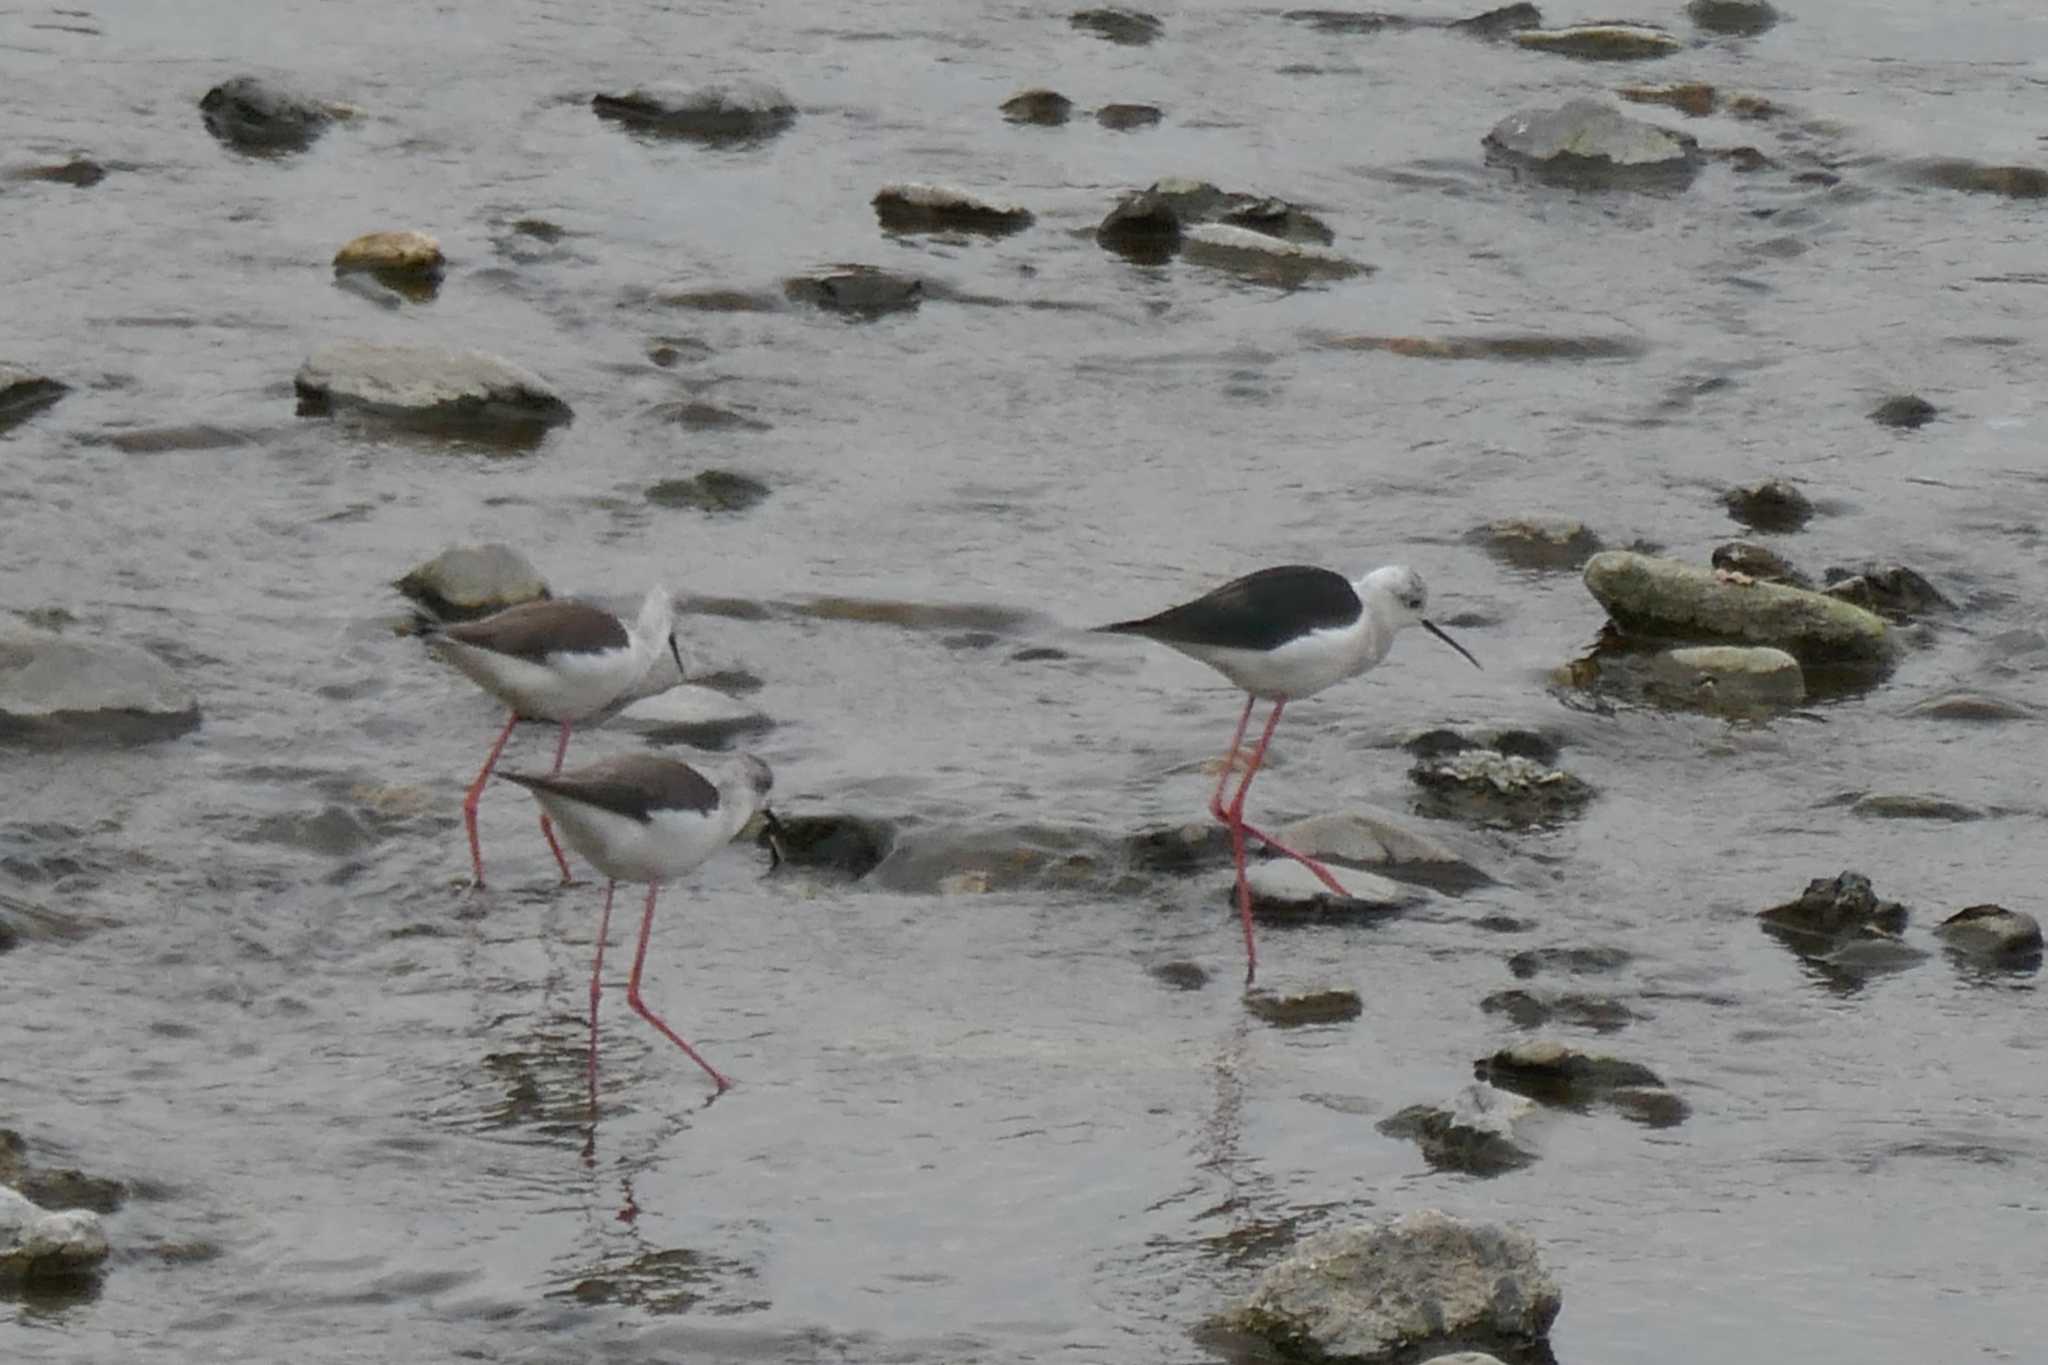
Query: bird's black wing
{"points": [[534, 630], [1262, 610], [638, 786]]}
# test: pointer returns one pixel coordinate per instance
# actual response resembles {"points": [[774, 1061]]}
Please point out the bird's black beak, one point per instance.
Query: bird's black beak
{"points": [[1432, 628], [771, 835], [677, 651]]}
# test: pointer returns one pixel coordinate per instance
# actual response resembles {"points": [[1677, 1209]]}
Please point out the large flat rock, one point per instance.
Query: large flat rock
{"points": [[426, 385], [1649, 595], [55, 689]]}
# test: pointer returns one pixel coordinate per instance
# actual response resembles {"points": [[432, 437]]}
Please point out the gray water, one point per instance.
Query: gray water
{"points": [[346, 1092]]}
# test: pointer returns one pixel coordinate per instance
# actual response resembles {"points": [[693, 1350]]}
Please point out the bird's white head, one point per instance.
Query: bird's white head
{"points": [[1397, 595]]}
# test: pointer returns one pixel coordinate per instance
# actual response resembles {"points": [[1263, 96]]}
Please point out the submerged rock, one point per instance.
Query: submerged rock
{"points": [[1537, 543], [1148, 226], [1386, 1291], [2014, 182], [1903, 806], [1832, 906], [1492, 23], [1047, 108], [2010, 937], [733, 113], [846, 846], [1130, 27], [79, 172], [1311, 1007], [1772, 505], [56, 690], [1127, 118], [1906, 411], [914, 206], [1551, 1073], [410, 262], [1508, 346], [973, 860], [1597, 961], [1729, 677], [1666, 597], [1179, 849], [464, 582], [1532, 1009], [1889, 589], [1741, 18], [1968, 705], [1590, 144], [250, 114], [38, 1247], [24, 392], [861, 292], [1602, 42], [1361, 836], [713, 490], [700, 717], [1695, 99], [1268, 259], [1487, 787], [1479, 1132], [463, 391]]}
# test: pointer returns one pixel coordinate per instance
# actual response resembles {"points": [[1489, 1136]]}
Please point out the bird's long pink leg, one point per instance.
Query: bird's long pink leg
{"points": [[1230, 758], [640, 1008], [476, 794], [1235, 815], [547, 826], [604, 927]]}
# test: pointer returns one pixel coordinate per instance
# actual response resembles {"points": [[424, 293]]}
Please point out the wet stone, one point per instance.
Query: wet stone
{"points": [[845, 846], [1182, 976], [697, 416], [961, 859], [1047, 108], [1772, 505], [1529, 1009], [1891, 590], [714, 490], [1364, 837], [1696, 99], [1758, 563], [1256, 255], [914, 206], [1967, 705], [1486, 787], [701, 717], [1388, 1291], [408, 262], [1537, 543], [1130, 27], [1128, 118], [1491, 23], [424, 386], [1650, 1105], [1657, 597], [1571, 961], [1275, 218], [59, 691], [860, 292], [1310, 1007], [2013, 182], [1904, 806], [1551, 1073], [1478, 1132], [1285, 892], [1905, 411], [39, 1247], [1602, 42], [70, 1188], [1506, 347], [1586, 143], [1728, 677], [1514, 740], [1740, 18], [79, 173], [253, 115], [1179, 849], [720, 300], [465, 582], [24, 392], [1993, 932], [1831, 906], [732, 114]]}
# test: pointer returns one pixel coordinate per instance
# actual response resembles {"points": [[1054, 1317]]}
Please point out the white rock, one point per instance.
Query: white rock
{"points": [[36, 1244], [1237, 248], [1365, 835], [1590, 131], [1758, 675], [1284, 882], [90, 688], [679, 707], [425, 382]]}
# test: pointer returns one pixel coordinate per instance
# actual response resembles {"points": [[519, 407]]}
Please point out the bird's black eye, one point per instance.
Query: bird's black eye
{"points": [[1415, 604]]}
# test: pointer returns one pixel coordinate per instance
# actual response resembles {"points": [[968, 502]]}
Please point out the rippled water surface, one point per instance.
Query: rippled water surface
{"points": [[346, 1093]]}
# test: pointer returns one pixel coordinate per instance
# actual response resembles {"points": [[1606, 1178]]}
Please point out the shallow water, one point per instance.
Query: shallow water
{"points": [[348, 1093]]}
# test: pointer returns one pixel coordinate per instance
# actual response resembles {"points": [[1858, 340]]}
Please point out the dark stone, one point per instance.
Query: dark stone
{"points": [[1905, 411], [1889, 590], [2013, 182], [1772, 505], [709, 417], [1553, 1074], [1527, 1010], [72, 1189], [1313, 1007], [79, 172], [1573, 961], [1132, 28], [458, 392], [1125, 118], [254, 116], [1738, 18], [1492, 24], [1832, 906], [737, 114], [861, 292], [24, 393], [1490, 788], [1758, 562], [1276, 218], [2008, 938], [1179, 849], [1587, 144], [846, 846], [1539, 545], [1475, 1136], [1182, 976], [1047, 108], [1507, 19], [919, 207], [714, 490]]}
